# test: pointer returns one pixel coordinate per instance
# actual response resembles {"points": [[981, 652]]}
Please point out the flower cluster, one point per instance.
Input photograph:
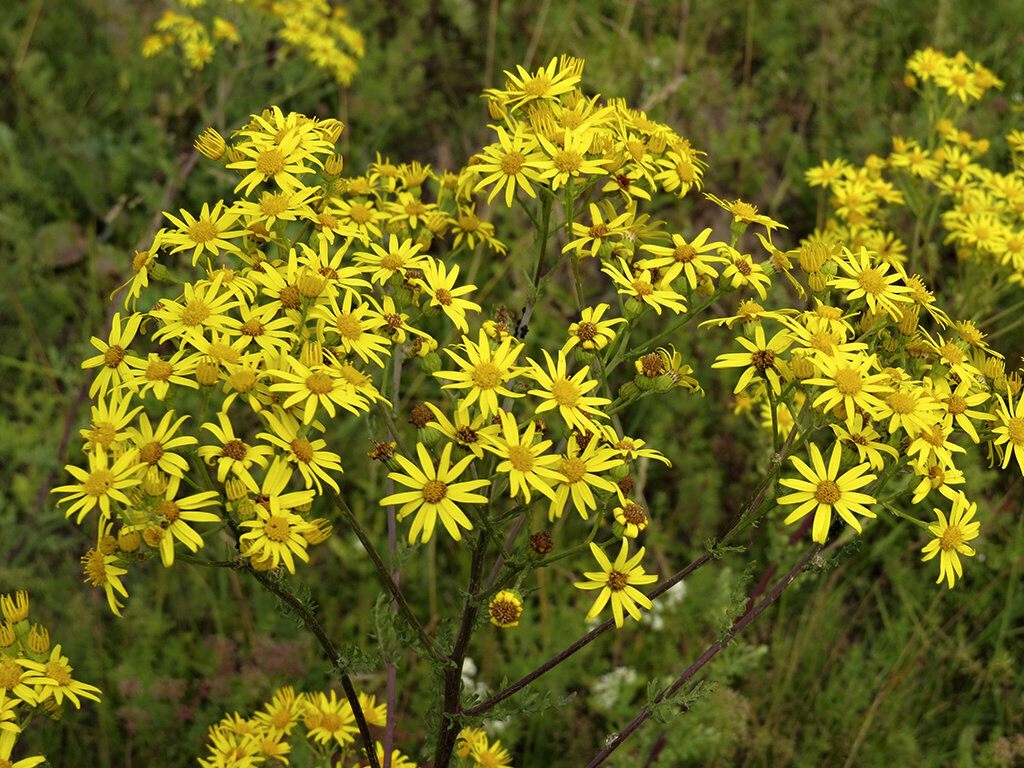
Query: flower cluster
{"points": [[315, 26], [33, 676]]}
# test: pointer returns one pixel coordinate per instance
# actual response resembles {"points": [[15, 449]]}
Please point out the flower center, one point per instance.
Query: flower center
{"points": [[743, 267], [302, 449], [159, 370], [520, 458], [99, 482], [195, 312], [486, 375], [331, 722], [443, 297], [277, 528], [169, 510], [827, 492], [586, 331], [763, 359], [565, 393], [684, 253], [952, 353], [617, 580], [643, 288], [392, 262], [10, 674], [1015, 430], [242, 380], [956, 404], [743, 211], [951, 538], [573, 468], [415, 208], [505, 612], [536, 86], [635, 514], [319, 383], [202, 231], [113, 356], [151, 452], [234, 449], [359, 213], [434, 491], [871, 281], [934, 436], [848, 381], [58, 672], [270, 162], [567, 161], [349, 327], [512, 163], [901, 402], [222, 353], [290, 297]]}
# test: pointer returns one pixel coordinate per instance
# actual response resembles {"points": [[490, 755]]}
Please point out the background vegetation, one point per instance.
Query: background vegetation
{"points": [[865, 664]]}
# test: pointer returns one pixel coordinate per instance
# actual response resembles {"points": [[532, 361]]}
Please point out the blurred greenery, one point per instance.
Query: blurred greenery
{"points": [[864, 663]]}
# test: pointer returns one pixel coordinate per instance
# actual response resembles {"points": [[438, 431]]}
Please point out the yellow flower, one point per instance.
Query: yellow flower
{"points": [[825, 491], [566, 393], [471, 433], [759, 359], [637, 285], [557, 78], [936, 477], [211, 231], [57, 681], [579, 472], [308, 455], [277, 532], [513, 161], [746, 213], [439, 285], [102, 571], [401, 256], [505, 609], [568, 158], [524, 460], [268, 159], [233, 455], [618, 583], [951, 537], [692, 259], [435, 494], [100, 485], [173, 516], [1011, 431], [328, 719], [318, 386], [871, 283], [484, 371], [155, 446], [196, 311], [113, 355], [849, 383], [590, 332], [356, 324]]}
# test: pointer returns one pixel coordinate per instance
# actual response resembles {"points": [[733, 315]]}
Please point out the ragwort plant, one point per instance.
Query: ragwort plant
{"points": [[320, 323], [35, 678]]}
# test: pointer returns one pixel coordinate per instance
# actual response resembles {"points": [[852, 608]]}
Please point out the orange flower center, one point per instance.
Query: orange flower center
{"points": [[434, 491], [827, 492]]}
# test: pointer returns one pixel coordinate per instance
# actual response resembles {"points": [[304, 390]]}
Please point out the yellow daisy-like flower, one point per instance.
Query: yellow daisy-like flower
{"points": [[1010, 431], [825, 491], [579, 472], [951, 537], [936, 477], [850, 383], [100, 484], [470, 432], [856, 433], [173, 516], [590, 238], [568, 159], [277, 532], [57, 681], [439, 285], [435, 494], [156, 445], [266, 159], [633, 519], [110, 421], [401, 256], [19, 680], [566, 393], [618, 583], [524, 459], [491, 754], [590, 332], [744, 272], [102, 571], [513, 162], [759, 359], [209, 232], [744, 213], [932, 444], [505, 609], [484, 371], [158, 374], [356, 324], [692, 259], [113, 355], [328, 719], [911, 408], [196, 312], [320, 386], [637, 285], [313, 462], [557, 78], [233, 455], [872, 283]]}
